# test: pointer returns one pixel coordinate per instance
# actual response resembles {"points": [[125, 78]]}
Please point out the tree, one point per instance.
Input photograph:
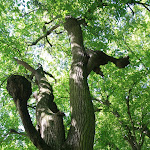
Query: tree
{"points": [[116, 100]]}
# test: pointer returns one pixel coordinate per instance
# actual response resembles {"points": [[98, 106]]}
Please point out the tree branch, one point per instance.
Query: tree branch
{"points": [[26, 65], [30, 12], [13, 131], [58, 16], [143, 4], [45, 35], [131, 9], [128, 111], [97, 58], [49, 118]]}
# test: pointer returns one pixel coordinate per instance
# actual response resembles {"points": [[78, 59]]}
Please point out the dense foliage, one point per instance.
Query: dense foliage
{"points": [[116, 27]]}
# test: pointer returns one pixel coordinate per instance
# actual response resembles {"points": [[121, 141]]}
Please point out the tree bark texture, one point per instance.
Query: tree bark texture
{"points": [[81, 134], [97, 58], [49, 118], [51, 135], [20, 89]]}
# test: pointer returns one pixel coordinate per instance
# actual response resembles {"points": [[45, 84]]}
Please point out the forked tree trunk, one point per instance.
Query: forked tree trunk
{"points": [[49, 118]]}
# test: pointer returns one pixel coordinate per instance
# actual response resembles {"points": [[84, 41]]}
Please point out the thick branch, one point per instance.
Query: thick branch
{"points": [[49, 118], [20, 89], [97, 58]]}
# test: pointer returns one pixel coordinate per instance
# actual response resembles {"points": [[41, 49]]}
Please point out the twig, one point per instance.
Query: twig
{"points": [[30, 12], [3, 82], [31, 106], [131, 9], [58, 16], [48, 42], [144, 5]]}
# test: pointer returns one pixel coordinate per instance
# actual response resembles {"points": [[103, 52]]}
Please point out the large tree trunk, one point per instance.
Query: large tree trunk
{"points": [[81, 134], [49, 118]]}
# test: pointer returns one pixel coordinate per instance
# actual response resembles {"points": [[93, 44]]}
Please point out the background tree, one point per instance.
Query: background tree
{"points": [[101, 34]]}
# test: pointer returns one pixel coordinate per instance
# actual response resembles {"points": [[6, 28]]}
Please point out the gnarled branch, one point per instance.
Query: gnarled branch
{"points": [[97, 58], [49, 118]]}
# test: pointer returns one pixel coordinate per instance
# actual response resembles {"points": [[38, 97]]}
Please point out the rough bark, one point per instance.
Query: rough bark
{"points": [[97, 58], [49, 118], [20, 89], [81, 134]]}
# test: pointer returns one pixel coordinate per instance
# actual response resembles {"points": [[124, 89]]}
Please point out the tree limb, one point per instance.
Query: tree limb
{"points": [[26, 65], [49, 118], [129, 113], [140, 3], [131, 9], [97, 58]]}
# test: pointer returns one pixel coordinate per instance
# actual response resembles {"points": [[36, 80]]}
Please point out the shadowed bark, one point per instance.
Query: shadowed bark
{"points": [[81, 134], [20, 89], [97, 58], [49, 118]]}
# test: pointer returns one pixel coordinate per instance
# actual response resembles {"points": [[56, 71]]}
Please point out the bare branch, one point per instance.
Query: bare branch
{"points": [[48, 42], [13, 131], [33, 107], [143, 4], [146, 7], [97, 58], [3, 81], [138, 2], [45, 35], [58, 16], [131, 9], [30, 12], [26, 65]]}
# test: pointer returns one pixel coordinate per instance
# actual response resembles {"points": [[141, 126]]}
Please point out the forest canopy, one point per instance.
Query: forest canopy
{"points": [[88, 63]]}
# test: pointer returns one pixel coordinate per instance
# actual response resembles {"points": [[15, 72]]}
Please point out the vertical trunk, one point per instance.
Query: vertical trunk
{"points": [[49, 119], [81, 134]]}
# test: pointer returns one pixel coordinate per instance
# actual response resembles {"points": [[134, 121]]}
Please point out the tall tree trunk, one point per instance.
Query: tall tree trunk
{"points": [[81, 134], [49, 118]]}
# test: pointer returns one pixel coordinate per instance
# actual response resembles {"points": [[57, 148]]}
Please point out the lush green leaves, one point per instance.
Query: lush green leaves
{"points": [[115, 27]]}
